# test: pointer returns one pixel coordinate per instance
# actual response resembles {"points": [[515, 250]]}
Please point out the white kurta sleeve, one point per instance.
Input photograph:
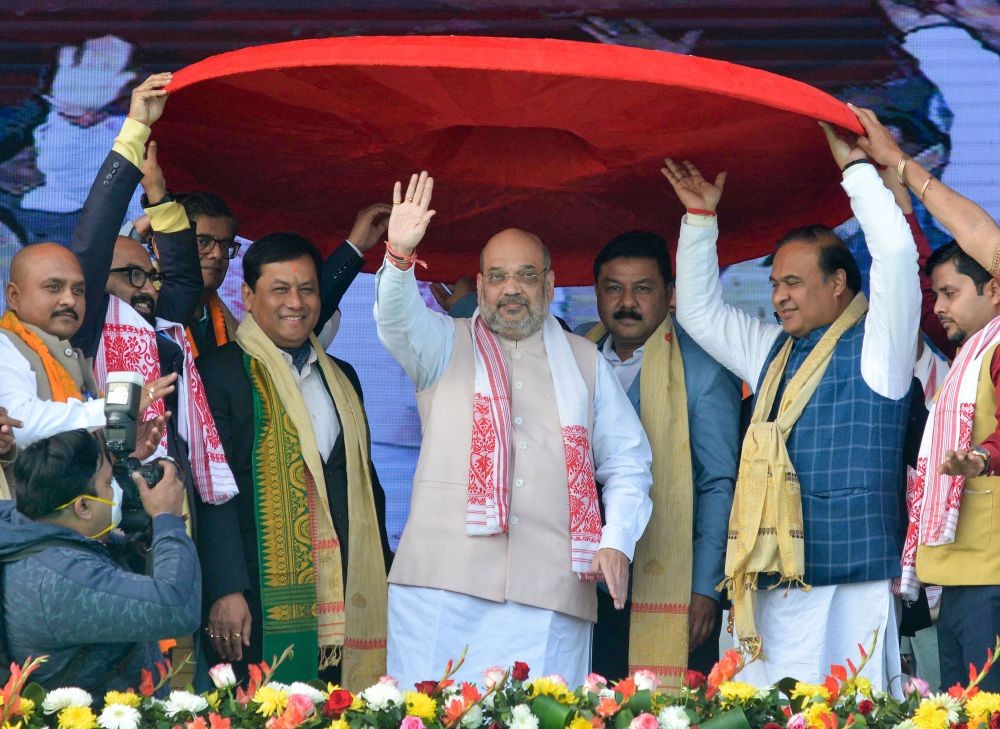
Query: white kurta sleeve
{"points": [[41, 418], [736, 340], [622, 462], [419, 339], [889, 350]]}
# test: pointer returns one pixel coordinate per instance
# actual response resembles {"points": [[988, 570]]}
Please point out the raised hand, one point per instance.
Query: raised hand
{"points": [[152, 180], [877, 142], [370, 225], [633, 32], [410, 216], [844, 149], [693, 190], [92, 81], [149, 98]]}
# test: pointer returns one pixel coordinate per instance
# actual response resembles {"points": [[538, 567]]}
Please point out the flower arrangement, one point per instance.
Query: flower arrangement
{"points": [[506, 699]]}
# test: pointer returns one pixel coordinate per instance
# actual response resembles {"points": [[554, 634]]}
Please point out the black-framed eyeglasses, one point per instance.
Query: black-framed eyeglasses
{"points": [[138, 277], [527, 277], [228, 246]]}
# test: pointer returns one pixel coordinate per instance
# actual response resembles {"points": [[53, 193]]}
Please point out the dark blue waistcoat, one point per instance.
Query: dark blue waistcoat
{"points": [[847, 451]]}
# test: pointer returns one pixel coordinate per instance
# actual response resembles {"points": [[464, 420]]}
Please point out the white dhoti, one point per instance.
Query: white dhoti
{"points": [[428, 627], [805, 632]]}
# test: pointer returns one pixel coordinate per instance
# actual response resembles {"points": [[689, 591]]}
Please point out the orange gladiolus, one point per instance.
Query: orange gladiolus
{"points": [[146, 686], [607, 707]]}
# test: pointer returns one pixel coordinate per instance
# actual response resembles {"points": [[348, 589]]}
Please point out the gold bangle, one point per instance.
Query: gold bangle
{"points": [[900, 169], [923, 189]]}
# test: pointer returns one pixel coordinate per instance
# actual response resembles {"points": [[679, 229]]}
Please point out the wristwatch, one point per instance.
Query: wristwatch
{"points": [[144, 200], [985, 455]]}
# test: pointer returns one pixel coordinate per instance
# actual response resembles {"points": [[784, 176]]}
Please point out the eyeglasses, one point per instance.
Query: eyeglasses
{"points": [[229, 246], [528, 277], [138, 277]]}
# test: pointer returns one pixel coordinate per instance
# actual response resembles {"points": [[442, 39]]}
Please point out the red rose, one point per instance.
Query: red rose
{"points": [[337, 703], [995, 721], [520, 671], [865, 706], [772, 725], [426, 687], [694, 679]]}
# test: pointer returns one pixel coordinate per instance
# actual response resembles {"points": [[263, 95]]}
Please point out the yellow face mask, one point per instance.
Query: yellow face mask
{"points": [[115, 504]]}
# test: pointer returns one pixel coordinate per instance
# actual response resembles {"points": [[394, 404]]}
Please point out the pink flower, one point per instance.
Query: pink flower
{"points": [[493, 677], [300, 703], [796, 722], [916, 685], [645, 720], [411, 722], [388, 681], [594, 683], [222, 675], [646, 680], [556, 678]]}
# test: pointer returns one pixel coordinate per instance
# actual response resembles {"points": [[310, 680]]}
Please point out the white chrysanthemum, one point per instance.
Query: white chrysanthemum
{"points": [[473, 717], [279, 686], [673, 717], [946, 702], [180, 702], [382, 696], [304, 689], [522, 718], [62, 698], [119, 716], [907, 724]]}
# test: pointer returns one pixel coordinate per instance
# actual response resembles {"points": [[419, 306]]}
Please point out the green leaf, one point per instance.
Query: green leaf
{"points": [[623, 718], [551, 714], [35, 693], [786, 686], [733, 719], [641, 701]]}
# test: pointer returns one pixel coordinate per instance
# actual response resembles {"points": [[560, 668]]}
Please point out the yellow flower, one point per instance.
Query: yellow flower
{"points": [[930, 716], [815, 714], [737, 691], [213, 700], [580, 723], [27, 708], [130, 699], [547, 687], [339, 724], [271, 700], [863, 685], [7, 724], [77, 717], [420, 705], [810, 691], [358, 704], [981, 706]]}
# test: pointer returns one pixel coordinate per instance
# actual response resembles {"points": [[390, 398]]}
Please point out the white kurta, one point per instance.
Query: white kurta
{"points": [[429, 626], [807, 632]]}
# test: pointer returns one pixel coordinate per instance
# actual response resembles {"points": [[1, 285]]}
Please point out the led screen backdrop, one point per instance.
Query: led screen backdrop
{"points": [[931, 70]]}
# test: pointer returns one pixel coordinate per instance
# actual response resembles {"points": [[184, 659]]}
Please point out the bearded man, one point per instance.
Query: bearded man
{"points": [[519, 419]]}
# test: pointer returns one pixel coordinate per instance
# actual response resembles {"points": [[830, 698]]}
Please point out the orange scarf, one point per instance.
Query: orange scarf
{"points": [[60, 381], [218, 324]]}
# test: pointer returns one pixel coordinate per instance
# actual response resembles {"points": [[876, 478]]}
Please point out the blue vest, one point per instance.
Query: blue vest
{"points": [[847, 449]]}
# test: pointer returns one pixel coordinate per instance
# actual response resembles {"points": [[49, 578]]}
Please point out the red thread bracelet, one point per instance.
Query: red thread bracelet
{"points": [[699, 211], [408, 260]]}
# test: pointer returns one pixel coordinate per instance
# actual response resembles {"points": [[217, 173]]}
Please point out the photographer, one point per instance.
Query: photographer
{"points": [[63, 594]]}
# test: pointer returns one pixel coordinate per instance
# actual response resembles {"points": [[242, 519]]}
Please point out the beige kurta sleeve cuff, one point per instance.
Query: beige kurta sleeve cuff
{"points": [[168, 217]]}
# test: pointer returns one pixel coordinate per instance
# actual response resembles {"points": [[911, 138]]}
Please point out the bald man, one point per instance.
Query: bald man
{"points": [[506, 533], [45, 382]]}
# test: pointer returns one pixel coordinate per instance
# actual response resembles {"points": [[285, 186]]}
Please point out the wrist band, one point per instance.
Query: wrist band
{"points": [[394, 256], [923, 189], [701, 211], [900, 169], [855, 162]]}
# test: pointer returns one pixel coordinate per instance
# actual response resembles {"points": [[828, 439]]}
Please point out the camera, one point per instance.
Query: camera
{"points": [[121, 411]]}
